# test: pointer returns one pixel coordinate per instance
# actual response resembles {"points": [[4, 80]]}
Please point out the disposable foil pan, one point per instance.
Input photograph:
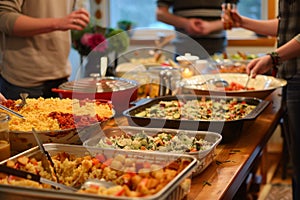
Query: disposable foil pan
{"points": [[171, 191], [204, 157]]}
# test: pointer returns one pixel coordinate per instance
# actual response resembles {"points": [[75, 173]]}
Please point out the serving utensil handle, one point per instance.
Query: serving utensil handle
{"points": [[23, 174]]}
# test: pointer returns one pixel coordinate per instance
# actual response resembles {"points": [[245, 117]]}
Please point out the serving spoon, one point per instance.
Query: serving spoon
{"points": [[23, 97], [248, 79]]}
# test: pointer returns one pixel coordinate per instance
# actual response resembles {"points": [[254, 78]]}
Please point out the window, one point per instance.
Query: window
{"points": [[142, 12]]}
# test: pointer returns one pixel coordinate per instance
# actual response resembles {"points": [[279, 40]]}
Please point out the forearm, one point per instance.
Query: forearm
{"points": [[264, 27], [216, 25], [171, 19], [27, 26], [290, 50]]}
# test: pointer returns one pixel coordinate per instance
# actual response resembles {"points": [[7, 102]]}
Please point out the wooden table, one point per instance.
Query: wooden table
{"points": [[235, 160], [239, 157]]}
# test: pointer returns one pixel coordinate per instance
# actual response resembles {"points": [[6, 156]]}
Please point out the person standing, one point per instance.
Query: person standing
{"points": [[36, 43], [285, 61], [198, 23]]}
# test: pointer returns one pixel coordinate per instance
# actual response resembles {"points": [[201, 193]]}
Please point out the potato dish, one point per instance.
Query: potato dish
{"points": [[133, 177]]}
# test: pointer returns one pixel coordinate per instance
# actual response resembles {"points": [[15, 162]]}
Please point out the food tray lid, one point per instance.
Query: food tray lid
{"points": [[99, 84]]}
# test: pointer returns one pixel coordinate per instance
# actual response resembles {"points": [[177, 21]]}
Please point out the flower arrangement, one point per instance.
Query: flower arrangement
{"points": [[99, 39]]}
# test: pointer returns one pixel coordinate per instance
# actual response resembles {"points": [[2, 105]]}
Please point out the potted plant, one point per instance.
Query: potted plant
{"points": [[125, 25]]}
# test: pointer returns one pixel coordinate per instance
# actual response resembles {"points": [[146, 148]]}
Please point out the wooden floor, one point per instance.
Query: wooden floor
{"points": [[274, 173]]}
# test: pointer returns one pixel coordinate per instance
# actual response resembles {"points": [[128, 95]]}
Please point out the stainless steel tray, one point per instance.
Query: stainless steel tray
{"points": [[230, 129], [204, 157], [171, 191]]}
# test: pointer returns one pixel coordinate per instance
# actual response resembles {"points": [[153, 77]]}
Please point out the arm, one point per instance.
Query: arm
{"points": [[14, 22], [287, 51], [192, 26], [163, 15], [28, 26], [234, 19], [264, 27]]}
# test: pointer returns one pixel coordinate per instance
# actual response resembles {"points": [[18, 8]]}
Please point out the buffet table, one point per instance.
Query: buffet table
{"points": [[225, 178]]}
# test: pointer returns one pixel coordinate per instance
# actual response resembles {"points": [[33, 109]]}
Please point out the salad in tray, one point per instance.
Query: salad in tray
{"points": [[163, 141]]}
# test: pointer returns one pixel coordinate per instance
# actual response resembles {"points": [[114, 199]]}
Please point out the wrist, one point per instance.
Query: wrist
{"points": [[242, 22], [54, 24], [276, 61]]}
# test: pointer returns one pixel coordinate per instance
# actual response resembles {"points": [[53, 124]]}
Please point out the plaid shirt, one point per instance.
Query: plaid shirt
{"points": [[289, 18]]}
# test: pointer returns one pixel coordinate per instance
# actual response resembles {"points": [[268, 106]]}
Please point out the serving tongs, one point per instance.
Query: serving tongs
{"points": [[34, 177], [23, 96], [46, 158], [11, 111]]}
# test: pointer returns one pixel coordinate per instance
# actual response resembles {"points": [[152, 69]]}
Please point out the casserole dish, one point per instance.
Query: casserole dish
{"points": [[119, 91], [230, 129]]}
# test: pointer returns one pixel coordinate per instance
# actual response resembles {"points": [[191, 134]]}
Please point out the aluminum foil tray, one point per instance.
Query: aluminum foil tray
{"points": [[172, 191], [204, 157]]}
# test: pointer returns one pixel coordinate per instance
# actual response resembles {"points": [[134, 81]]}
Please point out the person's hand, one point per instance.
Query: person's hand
{"points": [[77, 20], [259, 65], [193, 26], [2, 98], [230, 17], [206, 27]]}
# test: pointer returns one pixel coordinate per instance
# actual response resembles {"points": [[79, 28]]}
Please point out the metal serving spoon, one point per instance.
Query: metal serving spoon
{"points": [[248, 79], [23, 97]]}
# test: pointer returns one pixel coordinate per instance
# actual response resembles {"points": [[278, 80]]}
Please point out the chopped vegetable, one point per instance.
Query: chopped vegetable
{"points": [[205, 109], [163, 141]]}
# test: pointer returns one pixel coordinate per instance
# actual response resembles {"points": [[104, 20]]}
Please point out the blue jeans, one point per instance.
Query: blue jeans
{"points": [[11, 91]]}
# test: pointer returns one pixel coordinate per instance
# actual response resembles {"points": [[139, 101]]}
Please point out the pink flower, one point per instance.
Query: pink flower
{"points": [[85, 38], [96, 41]]}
